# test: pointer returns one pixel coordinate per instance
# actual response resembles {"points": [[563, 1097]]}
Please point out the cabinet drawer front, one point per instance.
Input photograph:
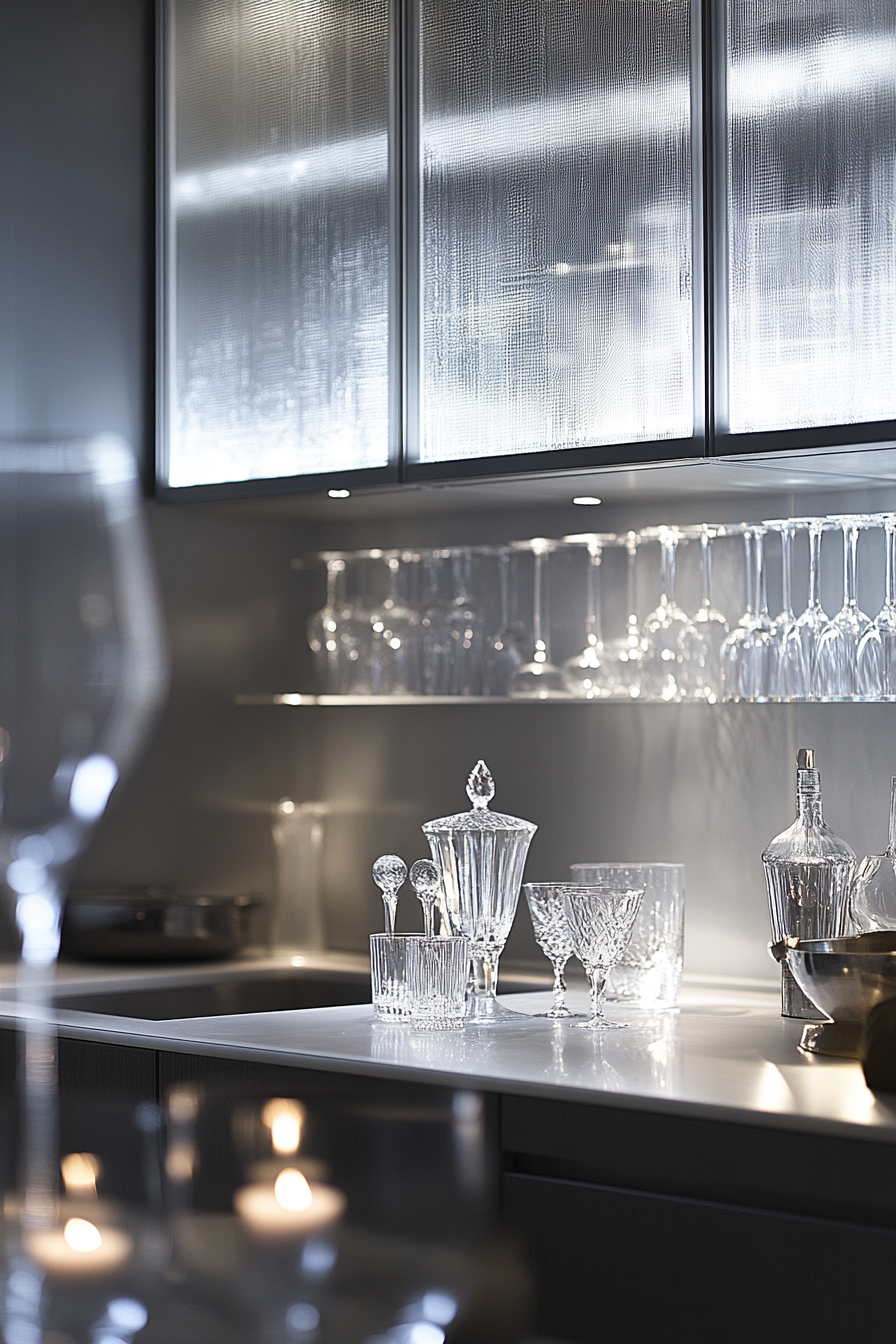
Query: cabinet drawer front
{"points": [[650, 1269]]}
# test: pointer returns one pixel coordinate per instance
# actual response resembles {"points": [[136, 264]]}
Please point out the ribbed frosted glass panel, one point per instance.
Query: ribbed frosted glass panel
{"points": [[555, 246], [279, 255], [812, 212]]}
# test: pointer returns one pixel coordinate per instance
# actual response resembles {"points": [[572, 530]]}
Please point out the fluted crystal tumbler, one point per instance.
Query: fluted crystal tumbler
{"points": [[418, 980], [481, 855]]}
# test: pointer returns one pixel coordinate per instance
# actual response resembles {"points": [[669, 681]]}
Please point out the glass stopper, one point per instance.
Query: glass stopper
{"points": [[389, 873], [426, 879], [480, 786]]}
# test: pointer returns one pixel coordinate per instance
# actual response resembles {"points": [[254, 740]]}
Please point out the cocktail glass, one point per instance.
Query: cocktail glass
{"points": [[552, 933], [481, 856], [600, 920]]}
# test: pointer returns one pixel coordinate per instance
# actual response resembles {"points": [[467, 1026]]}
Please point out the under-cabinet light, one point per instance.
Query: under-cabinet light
{"points": [[339, 494]]}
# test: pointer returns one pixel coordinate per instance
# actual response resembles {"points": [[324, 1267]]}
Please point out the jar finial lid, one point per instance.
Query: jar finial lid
{"points": [[480, 786]]}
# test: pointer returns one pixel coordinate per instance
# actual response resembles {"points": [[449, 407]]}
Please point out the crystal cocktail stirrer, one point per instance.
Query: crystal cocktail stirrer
{"points": [[426, 881], [390, 873]]}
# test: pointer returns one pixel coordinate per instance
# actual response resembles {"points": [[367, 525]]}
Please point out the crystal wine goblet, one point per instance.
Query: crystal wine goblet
{"points": [[600, 921], [876, 654], [838, 645], [539, 679], [323, 626], [801, 655], [700, 643], [626, 653], [390, 874], [82, 675], [588, 674], [551, 929], [663, 628]]}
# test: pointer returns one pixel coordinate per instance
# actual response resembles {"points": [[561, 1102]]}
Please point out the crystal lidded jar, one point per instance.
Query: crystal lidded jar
{"points": [[808, 873], [481, 855]]}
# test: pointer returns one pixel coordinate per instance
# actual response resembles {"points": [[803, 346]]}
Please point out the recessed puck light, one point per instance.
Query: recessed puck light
{"points": [[339, 494], [586, 499]]}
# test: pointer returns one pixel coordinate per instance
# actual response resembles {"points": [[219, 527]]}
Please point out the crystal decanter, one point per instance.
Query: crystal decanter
{"points": [[481, 855], [808, 873]]}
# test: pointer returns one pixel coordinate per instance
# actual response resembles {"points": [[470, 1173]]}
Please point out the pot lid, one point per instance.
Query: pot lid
{"points": [[480, 791]]}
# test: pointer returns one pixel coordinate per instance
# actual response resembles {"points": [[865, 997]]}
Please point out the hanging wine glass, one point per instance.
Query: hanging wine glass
{"points": [[876, 654], [663, 628], [323, 626], [354, 633], [433, 624], [701, 641], [756, 648], [539, 679], [396, 646], [791, 670], [505, 650], [589, 674], [82, 674], [839, 642], [801, 654], [627, 652], [730, 654]]}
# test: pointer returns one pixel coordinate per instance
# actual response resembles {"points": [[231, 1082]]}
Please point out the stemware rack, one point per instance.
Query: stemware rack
{"points": [[472, 624]]}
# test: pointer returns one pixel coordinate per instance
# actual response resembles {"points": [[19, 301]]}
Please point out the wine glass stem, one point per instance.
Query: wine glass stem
{"points": [[814, 566], [787, 571], [540, 613], [34, 991], [748, 571], [706, 570], [595, 615], [759, 583], [598, 981], [504, 579], [559, 983], [850, 547], [632, 557]]}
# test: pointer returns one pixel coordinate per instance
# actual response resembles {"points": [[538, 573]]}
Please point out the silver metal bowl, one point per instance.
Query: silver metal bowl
{"points": [[845, 978]]}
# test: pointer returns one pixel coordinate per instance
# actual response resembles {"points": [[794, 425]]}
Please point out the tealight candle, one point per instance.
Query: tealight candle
{"points": [[80, 1249], [290, 1207]]}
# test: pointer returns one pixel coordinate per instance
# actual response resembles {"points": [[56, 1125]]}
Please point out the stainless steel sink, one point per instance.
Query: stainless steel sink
{"points": [[271, 992]]}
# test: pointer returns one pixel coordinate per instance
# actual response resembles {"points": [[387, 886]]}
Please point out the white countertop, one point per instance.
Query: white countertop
{"points": [[724, 1054]]}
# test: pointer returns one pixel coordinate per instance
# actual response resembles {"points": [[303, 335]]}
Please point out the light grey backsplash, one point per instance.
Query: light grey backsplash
{"points": [[704, 785]]}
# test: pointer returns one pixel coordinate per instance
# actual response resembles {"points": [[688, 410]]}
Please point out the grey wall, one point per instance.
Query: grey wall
{"points": [[708, 786]]}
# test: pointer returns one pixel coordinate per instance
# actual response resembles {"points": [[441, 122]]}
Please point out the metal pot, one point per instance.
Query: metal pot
{"points": [[154, 924]]}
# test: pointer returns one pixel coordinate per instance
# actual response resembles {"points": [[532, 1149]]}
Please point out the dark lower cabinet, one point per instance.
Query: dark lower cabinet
{"points": [[637, 1268]]}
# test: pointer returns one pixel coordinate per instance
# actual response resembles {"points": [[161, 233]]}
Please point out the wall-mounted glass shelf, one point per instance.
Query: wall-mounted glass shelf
{"points": [[305, 699]]}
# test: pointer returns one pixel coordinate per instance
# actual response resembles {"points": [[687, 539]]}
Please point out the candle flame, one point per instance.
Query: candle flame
{"points": [[80, 1172], [292, 1191], [81, 1235], [284, 1118]]}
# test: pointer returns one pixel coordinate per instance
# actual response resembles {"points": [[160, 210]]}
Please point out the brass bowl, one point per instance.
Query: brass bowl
{"points": [[845, 978]]}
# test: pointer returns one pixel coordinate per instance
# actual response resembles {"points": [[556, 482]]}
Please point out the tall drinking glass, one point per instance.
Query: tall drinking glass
{"points": [[649, 969], [481, 855], [81, 674]]}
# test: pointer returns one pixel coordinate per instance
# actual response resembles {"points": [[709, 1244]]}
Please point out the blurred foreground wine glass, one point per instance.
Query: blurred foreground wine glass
{"points": [[82, 671]]}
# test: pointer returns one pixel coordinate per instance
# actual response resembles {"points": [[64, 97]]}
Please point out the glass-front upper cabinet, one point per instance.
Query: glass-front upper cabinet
{"points": [[277, 240], [810, 171], [552, 229]]}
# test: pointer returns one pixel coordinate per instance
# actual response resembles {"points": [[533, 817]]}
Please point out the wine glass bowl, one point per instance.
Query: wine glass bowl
{"points": [[600, 919]]}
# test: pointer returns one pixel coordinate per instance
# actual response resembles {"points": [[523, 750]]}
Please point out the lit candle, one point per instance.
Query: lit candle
{"points": [[290, 1207], [80, 1249]]}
